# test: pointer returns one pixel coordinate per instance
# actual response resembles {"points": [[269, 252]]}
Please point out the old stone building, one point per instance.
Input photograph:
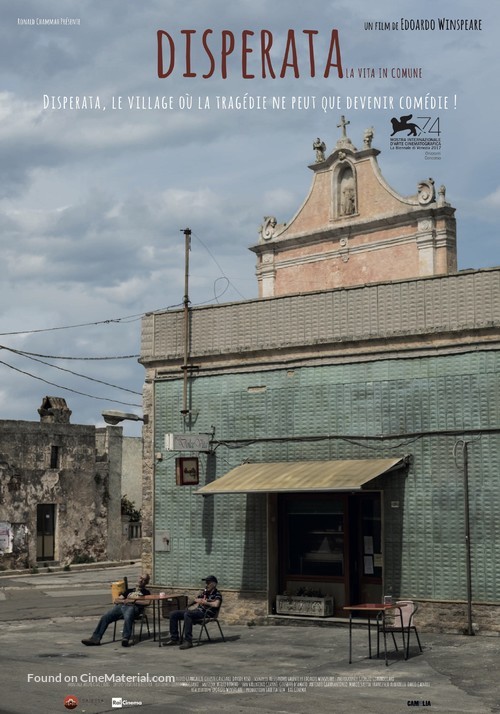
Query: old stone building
{"points": [[352, 417], [60, 490]]}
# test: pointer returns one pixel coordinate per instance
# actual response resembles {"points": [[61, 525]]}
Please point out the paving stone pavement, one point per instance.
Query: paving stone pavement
{"points": [[264, 669]]}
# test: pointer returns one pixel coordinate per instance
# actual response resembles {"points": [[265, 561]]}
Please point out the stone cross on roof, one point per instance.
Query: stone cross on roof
{"points": [[343, 142], [343, 124]]}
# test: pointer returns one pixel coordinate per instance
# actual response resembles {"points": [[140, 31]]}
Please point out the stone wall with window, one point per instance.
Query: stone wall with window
{"points": [[59, 490]]}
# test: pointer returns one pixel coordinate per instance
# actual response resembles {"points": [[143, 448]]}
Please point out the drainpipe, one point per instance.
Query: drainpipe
{"points": [[465, 467], [185, 367]]}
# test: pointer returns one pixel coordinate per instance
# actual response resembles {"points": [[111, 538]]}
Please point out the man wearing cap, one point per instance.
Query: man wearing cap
{"points": [[207, 603]]}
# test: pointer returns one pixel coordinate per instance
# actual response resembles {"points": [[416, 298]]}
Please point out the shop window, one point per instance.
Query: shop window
{"points": [[315, 537]]}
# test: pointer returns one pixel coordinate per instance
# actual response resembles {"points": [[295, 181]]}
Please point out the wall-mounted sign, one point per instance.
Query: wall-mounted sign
{"points": [[5, 537], [162, 541], [187, 442], [187, 472]]}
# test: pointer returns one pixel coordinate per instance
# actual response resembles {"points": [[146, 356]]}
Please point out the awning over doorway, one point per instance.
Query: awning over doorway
{"points": [[283, 476]]}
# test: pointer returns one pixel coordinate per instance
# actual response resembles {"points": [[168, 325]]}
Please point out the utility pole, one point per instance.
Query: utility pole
{"points": [[185, 366]]}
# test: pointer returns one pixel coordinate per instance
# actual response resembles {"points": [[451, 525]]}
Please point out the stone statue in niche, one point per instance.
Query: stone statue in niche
{"points": [[320, 148], [347, 198], [348, 201]]}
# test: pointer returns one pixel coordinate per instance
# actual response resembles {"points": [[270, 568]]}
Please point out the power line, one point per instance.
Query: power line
{"points": [[68, 389], [69, 327], [36, 354], [76, 374], [218, 265], [36, 357], [127, 318]]}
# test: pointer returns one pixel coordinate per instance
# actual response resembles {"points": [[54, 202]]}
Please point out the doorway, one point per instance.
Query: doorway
{"points": [[331, 543], [45, 531], [365, 547]]}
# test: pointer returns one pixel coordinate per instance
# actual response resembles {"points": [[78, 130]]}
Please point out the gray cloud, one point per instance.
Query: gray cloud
{"points": [[92, 202]]}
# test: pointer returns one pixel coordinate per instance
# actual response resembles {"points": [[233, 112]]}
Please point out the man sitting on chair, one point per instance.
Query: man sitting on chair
{"points": [[124, 607], [207, 603]]}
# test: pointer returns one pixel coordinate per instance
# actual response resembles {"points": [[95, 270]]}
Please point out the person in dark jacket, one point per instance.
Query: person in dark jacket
{"points": [[207, 602], [124, 608]]}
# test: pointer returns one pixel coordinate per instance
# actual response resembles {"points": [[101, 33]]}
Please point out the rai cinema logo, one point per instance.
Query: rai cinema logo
{"points": [[70, 702]]}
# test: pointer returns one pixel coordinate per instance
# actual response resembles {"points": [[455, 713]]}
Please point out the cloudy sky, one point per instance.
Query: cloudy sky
{"points": [[93, 201]]}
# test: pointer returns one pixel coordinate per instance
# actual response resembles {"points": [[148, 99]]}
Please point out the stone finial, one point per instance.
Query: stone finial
{"points": [[320, 148], [426, 192], [368, 137], [441, 196], [268, 228]]}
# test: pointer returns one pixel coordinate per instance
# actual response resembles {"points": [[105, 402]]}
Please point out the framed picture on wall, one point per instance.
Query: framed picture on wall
{"points": [[187, 471]]}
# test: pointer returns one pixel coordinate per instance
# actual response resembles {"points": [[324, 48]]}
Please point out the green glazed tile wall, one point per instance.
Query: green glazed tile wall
{"points": [[424, 537]]}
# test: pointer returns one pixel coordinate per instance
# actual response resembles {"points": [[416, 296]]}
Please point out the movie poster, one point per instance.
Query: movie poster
{"points": [[122, 124]]}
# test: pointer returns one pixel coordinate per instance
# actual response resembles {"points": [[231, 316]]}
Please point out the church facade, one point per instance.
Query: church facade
{"points": [[353, 228]]}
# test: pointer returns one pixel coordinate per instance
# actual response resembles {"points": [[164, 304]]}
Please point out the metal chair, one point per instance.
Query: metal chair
{"points": [[405, 626], [207, 620], [142, 618], [203, 625]]}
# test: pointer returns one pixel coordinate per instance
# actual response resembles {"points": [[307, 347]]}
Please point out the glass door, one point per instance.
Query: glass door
{"points": [[365, 547], [45, 531]]}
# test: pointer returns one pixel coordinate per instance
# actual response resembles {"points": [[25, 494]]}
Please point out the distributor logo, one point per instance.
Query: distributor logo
{"points": [[119, 703], [423, 133], [70, 702]]}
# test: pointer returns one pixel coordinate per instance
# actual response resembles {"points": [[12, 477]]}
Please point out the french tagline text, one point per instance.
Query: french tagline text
{"points": [[248, 102]]}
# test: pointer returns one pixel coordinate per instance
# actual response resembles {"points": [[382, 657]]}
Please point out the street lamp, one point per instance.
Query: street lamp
{"points": [[114, 417]]}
